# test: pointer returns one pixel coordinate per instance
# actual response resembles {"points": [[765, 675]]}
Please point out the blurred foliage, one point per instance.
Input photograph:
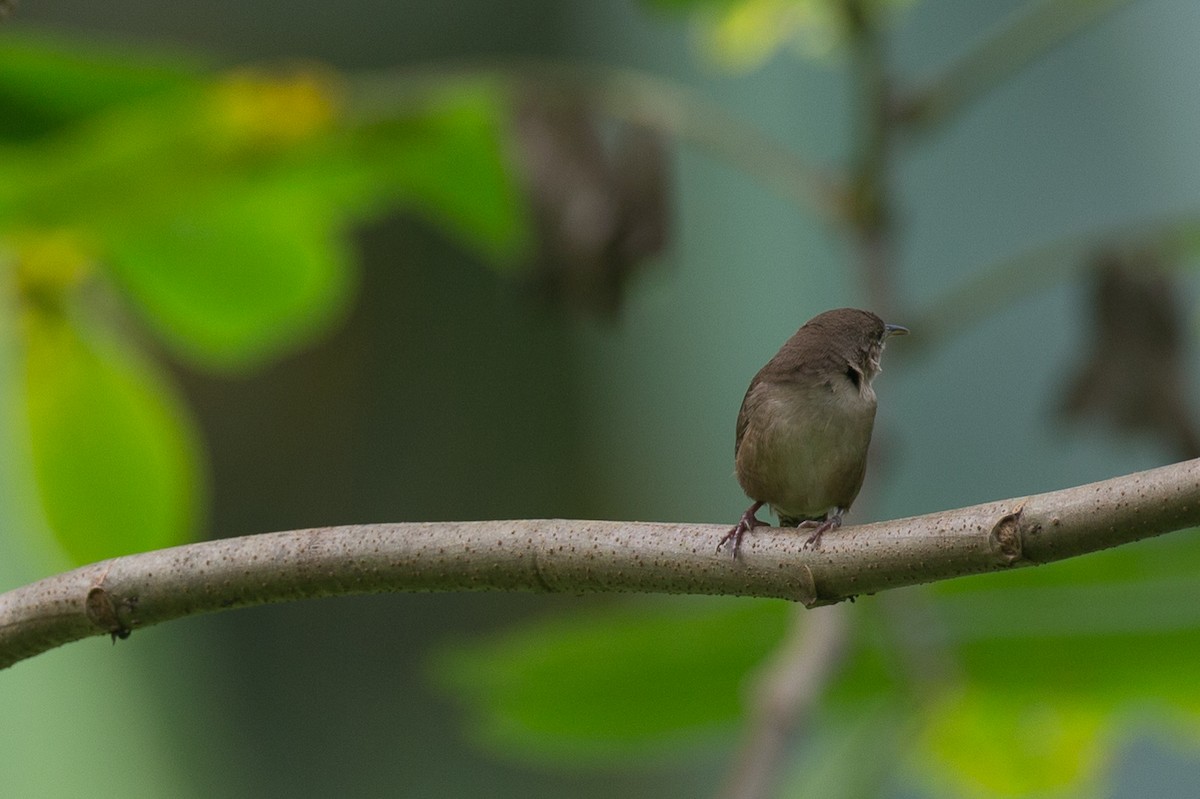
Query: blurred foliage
{"points": [[91, 404], [606, 684], [982, 743], [741, 35], [214, 206], [48, 85]]}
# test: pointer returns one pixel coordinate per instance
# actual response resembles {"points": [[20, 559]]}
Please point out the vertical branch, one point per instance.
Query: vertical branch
{"points": [[799, 671], [869, 201], [783, 694]]}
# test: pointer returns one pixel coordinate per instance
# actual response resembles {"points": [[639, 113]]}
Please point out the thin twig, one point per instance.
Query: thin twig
{"points": [[1003, 283], [1015, 43], [123, 594]]}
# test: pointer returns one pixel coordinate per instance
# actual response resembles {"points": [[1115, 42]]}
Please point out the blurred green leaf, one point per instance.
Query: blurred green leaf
{"points": [[1049, 659], [1108, 627], [205, 210], [222, 210], [450, 159], [47, 83], [219, 206], [240, 280], [647, 673], [113, 453]]}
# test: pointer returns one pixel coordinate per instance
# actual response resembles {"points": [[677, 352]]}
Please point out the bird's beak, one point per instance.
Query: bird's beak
{"points": [[894, 330]]}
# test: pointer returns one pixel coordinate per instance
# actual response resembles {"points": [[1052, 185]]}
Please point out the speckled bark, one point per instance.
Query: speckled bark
{"points": [[121, 595]]}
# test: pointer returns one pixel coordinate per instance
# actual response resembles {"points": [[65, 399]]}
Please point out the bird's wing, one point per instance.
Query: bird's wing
{"points": [[750, 403]]}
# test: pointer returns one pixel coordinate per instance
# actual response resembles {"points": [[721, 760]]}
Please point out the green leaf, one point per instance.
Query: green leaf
{"points": [[1050, 658], [654, 673], [114, 455], [1107, 626], [46, 83], [240, 280], [447, 161], [222, 212]]}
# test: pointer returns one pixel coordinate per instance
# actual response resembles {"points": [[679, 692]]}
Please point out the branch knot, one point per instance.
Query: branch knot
{"points": [[1005, 537]]}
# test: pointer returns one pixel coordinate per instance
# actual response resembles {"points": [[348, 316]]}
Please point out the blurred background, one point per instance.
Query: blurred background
{"points": [[462, 260]]}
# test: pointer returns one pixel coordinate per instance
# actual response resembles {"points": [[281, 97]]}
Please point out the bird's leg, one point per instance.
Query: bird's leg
{"points": [[833, 520], [745, 524]]}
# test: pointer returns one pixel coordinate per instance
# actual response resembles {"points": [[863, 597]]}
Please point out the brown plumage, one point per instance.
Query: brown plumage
{"points": [[806, 421]]}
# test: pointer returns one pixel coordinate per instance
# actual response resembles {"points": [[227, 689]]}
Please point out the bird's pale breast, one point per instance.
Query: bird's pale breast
{"points": [[804, 447]]}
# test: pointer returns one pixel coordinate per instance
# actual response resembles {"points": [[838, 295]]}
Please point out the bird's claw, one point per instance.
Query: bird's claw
{"points": [[745, 524], [832, 522]]}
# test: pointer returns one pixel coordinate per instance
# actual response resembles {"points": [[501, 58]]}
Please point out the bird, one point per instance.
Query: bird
{"points": [[805, 424]]}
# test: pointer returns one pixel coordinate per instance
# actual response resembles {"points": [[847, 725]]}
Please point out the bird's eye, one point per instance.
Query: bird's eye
{"points": [[854, 376]]}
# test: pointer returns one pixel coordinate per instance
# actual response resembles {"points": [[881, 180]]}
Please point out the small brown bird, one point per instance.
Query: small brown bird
{"points": [[806, 421]]}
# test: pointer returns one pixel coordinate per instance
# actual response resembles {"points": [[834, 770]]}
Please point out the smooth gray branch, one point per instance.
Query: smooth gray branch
{"points": [[124, 594]]}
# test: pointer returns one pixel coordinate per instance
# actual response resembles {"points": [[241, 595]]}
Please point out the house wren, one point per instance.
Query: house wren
{"points": [[805, 424]]}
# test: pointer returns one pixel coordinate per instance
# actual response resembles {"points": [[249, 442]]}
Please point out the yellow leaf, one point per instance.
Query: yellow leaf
{"points": [[49, 263], [990, 744], [744, 35], [741, 36], [254, 108]]}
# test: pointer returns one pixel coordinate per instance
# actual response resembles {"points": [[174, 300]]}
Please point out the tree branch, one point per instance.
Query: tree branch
{"points": [[631, 96], [120, 595], [1003, 283], [1030, 33], [783, 694]]}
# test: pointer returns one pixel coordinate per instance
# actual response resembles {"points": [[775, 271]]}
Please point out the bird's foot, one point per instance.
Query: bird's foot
{"points": [[832, 522], [745, 524]]}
